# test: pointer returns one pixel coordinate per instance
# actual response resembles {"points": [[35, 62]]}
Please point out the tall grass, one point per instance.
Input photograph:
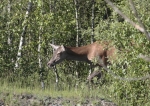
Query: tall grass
{"points": [[28, 87], [119, 92]]}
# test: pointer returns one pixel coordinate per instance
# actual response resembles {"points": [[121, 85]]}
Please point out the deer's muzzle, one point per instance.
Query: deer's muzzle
{"points": [[51, 64]]}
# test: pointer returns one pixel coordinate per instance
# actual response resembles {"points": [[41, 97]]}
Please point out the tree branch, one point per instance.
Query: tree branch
{"points": [[139, 20], [127, 19]]}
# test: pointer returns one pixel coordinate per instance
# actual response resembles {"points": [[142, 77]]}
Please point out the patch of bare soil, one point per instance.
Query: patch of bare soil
{"points": [[33, 100]]}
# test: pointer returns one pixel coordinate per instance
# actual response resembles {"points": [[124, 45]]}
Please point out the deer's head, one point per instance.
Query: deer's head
{"points": [[59, 55]]}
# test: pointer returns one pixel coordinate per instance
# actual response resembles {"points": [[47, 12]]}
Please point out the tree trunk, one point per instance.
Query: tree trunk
{"points": [[52, 6], [77, 29], [77, 22], [8, 23], [39, 58], [93, 6], [23, 35]]}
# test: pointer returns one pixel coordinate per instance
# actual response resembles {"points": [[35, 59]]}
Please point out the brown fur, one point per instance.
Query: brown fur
{"points": [[93, 50], [99, 50]]}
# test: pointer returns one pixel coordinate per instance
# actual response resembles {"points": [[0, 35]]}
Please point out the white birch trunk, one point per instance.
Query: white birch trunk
{"points": [[8, 23], [77, 23], [77, 36], [39, 50], [39, 60], [55, 70], [52, 10], [92, 22], [92, 26], [22, 35]]}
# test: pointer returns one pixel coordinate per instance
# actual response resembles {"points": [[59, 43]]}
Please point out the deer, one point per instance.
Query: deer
{"points": [[103, 52]]}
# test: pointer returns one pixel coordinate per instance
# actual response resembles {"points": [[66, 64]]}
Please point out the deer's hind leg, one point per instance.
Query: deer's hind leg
{"points": [[96, 73], [94, 77]]}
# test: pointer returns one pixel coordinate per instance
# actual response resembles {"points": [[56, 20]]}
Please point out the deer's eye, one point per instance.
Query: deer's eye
{"points": [[58, 54]]}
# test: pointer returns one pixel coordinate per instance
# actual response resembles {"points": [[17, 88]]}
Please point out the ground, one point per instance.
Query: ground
{"points": [[7, 99]]}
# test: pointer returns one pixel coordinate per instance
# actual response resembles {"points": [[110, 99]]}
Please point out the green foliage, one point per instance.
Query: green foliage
{"points": [[131, 43], [56, 20]]}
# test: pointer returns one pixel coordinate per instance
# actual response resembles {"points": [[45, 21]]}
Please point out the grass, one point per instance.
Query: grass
{"points": [[111, 92], [80, 93], [6, 88]]}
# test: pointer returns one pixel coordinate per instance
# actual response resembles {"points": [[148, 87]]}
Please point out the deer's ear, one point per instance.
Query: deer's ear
{"points": [[63, 48], [54, 46]]}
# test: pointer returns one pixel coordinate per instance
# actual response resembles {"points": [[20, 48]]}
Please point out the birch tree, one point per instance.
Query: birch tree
{"points": [[9, 33], [77, 30], [8, 23], [23, 34], [77, 21], [92, 22], [39, 58], [52, 7]]}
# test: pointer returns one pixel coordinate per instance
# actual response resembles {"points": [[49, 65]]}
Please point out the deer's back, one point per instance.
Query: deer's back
{"points": [[104, 50]]}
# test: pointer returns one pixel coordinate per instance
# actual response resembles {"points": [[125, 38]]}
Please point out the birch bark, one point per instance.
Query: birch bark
{"points": [[39, 60], [23, 34], [77, 22], [92, 22], [52, 5], [8, 23], [77, 36]]}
